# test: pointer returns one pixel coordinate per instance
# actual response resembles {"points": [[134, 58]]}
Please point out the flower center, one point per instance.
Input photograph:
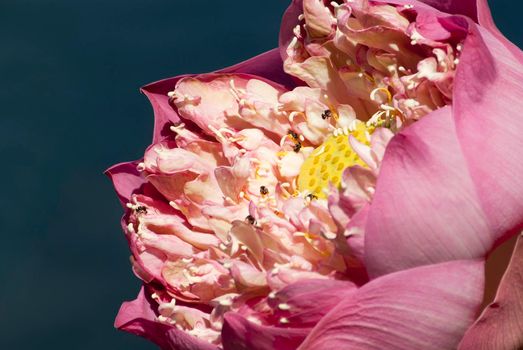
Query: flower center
{"points": [[326, 163]]}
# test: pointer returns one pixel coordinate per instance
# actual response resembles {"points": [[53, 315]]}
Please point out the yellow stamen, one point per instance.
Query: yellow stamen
{"points": [[326, 163]]}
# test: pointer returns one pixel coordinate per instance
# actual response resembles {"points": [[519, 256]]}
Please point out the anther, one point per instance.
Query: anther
{"points": [[226, 302], [297, 31], [284, 306], [394, 47], [329, 235], [293, 42], [229, 200], [162, 319], [284, 320], [292, 115]]}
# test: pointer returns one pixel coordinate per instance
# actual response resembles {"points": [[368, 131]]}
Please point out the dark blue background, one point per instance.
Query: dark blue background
{"points": [[69, 77]]}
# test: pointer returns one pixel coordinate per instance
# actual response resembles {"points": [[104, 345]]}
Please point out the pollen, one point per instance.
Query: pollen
{"points": [[328, 161]]}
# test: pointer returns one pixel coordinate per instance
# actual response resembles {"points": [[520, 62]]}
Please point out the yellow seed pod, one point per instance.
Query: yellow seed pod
{"points": [[326, 163]]}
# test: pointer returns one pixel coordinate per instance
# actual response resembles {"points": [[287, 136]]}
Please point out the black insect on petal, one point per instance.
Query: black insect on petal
{"points": [[264, 190], [326, 114], [141, 209], [311, 196], [293, 134], [250, 220]]}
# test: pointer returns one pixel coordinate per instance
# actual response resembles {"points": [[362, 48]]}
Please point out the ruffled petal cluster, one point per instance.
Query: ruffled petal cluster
{"points": [[344, 195]]}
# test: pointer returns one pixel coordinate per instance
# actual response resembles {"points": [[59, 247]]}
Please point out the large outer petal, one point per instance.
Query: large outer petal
{"points": [[138, 317], [126, 180], [240, 334], [164, 113], [310, 300], [426, 308], [488, 100], [477, 10], [485, 20], [457, 7], [500, 327], [307, 302], [450, 187], [425, 209]]}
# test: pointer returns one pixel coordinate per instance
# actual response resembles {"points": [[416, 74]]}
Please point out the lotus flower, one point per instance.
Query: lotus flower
{"points": [[352, 205]]}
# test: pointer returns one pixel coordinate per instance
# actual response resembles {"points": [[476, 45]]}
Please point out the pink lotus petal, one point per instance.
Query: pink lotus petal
{"points": [[423, 184], [247, 235], [138, 317], [358, 182], [477, 10], [247, 275], [164, 114], [267, 65], [240, 334], [485, 20], [456, 7], [319, 21], [288, 22], [309, 300], [354, 233], [500, 326], [468, 8], [126, 180], [488, 99], [426, 308]]}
